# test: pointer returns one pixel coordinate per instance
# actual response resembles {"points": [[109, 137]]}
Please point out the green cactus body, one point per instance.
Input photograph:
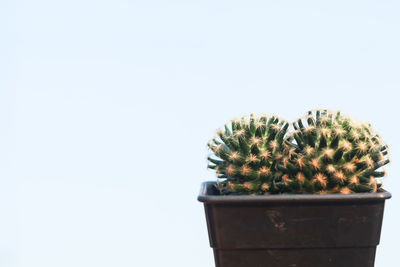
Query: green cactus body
{"points": [[325, 153], [333, 154], [247, 153]]}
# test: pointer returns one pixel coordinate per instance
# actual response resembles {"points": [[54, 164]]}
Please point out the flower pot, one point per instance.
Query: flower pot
{"points": [[293, 230]]}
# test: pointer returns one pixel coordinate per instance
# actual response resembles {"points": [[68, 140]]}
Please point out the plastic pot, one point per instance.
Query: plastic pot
{"points": [[288, 230]]}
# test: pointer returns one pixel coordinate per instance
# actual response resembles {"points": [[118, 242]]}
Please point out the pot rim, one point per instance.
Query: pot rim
{"points": [[208, 190]]}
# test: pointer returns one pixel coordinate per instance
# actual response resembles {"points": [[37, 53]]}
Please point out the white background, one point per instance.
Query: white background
{"points": [[106, 108]]}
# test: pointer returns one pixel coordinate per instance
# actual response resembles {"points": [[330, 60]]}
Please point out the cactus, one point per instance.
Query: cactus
{"points": [[333, 154], [247, 153]]}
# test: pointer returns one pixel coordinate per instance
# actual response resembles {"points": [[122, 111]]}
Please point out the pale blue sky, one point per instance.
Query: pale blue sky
{"points": [[106, 108]]}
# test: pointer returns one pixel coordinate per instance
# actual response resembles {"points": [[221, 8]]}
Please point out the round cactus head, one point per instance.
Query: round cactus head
{"points": [[246, 154], [333, 154]]}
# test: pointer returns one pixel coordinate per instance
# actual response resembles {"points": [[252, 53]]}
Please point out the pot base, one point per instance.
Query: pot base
{"points": [[343, 257]]}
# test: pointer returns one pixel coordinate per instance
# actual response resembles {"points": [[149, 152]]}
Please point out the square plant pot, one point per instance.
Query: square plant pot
{"points": [[289, 230]]}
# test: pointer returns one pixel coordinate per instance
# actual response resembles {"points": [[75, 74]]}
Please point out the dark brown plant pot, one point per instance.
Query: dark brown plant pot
{"points": [[331, 230]]}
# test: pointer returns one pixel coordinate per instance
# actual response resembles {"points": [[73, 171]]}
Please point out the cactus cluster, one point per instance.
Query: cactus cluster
{"points": [[325, 153]]}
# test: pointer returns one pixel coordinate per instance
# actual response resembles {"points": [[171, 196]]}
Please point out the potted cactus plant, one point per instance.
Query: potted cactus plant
{"points": [[310, 196]]}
